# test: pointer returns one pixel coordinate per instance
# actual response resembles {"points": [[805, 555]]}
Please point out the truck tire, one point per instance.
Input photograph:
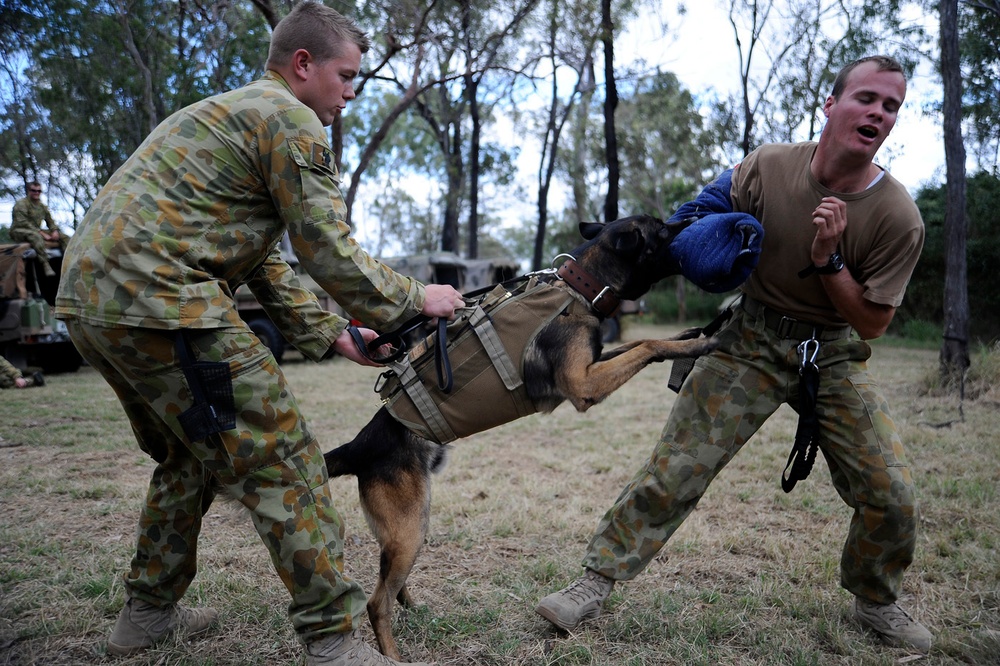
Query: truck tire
{"points": [[268, 333]]}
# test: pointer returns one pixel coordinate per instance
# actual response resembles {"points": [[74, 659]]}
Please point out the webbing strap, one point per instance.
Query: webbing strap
{"points": [[803, 453], [422, 400], [490, 339]]}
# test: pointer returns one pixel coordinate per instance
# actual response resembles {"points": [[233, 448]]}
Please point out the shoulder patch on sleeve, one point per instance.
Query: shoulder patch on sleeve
{"points": [[314, 156]]}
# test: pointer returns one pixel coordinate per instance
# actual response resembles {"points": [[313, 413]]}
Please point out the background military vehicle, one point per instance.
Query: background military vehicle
{"points": [[437, 267], [30, 337]]}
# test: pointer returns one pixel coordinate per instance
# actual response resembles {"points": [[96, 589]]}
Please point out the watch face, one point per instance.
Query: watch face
{"points": [[835, 265]]}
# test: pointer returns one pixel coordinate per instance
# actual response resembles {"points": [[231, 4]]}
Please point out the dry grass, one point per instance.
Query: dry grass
{"points": [[750, 578]]}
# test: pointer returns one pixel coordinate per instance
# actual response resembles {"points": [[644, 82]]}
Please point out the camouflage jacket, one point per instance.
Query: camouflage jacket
{"points": [[8, 373], [199, 209], [27, 218]]}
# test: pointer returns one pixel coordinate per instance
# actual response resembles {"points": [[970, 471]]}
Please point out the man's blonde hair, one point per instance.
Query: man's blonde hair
{"points": [[316, 28]]}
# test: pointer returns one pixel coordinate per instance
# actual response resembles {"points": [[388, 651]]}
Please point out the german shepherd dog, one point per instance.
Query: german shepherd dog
{"points": [[564, 362]]}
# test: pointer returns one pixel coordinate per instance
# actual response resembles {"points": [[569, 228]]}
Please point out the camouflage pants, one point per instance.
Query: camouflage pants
{"points": [[269, 462], [35, 240], [723, 402]]}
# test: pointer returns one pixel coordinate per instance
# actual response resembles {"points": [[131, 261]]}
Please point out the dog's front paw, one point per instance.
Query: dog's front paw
{"points": [[697, 347], [687, 334], [710, 345]]}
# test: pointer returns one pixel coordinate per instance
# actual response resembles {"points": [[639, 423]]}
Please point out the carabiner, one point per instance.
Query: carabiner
{"points": [[808, 351]]}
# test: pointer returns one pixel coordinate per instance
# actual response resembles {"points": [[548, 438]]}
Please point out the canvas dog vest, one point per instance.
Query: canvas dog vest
{"points": [[486, 347]]}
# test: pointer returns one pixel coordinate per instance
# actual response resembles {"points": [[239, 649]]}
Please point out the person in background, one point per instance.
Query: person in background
{"points": [[147, 295], [841, 239], [11, 377], [26, 225]]}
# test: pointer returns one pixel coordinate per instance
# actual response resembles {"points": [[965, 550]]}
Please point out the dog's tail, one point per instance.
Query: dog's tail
{"points": [[382, 448]]}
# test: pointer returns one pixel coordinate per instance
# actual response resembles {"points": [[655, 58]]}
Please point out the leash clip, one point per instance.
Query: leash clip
{"points": [[808, 351]]}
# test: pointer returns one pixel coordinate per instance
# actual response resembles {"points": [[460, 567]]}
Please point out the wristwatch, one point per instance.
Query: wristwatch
{"points": [[834, 265]]}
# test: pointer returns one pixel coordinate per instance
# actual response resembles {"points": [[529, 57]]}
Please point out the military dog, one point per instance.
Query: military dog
{"points": [[564, 361]]}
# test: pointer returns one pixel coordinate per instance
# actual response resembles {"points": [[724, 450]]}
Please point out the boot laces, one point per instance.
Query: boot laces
{"points": [[586, 589], [895, 615]]}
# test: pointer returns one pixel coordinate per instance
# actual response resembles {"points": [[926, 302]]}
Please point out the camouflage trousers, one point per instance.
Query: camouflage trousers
{"points": [[722, 403], [35, 240], [270, 462]]}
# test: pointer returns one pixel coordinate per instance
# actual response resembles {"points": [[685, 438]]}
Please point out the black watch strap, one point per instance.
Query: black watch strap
{"points": [[834, 265]]}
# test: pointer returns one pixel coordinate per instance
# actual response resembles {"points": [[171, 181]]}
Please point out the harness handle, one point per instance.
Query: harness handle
{"points": [[396, 339]]}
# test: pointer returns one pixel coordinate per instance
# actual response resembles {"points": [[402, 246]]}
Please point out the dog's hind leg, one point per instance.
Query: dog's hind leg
{"points": [[397, 512]]}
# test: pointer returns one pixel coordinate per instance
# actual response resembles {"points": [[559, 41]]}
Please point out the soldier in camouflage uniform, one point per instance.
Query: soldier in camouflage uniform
{"points": [[825, 206], [11, 377], [147, 294], [26, 225]]}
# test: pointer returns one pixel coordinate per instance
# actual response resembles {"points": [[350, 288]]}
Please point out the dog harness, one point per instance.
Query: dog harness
{"points": [[486, 345]]}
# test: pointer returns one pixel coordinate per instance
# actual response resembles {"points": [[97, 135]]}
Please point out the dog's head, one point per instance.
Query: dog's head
{"points": [[631, 254]]}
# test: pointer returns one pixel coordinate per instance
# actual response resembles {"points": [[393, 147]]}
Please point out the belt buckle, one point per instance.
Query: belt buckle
{"points": [[785, 327]]}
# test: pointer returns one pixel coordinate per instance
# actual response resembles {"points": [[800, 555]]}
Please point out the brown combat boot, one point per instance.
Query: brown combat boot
{"points": [[581, 600], [893, 625], [141, 624], [347, 650]]}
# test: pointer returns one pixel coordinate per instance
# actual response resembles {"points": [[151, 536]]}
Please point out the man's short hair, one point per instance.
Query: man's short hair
{"points": [[316, 28], [32, 184], [882, 63]]}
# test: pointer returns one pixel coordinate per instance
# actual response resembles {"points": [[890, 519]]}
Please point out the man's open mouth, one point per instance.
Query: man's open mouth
{"points": [[868, 131]]}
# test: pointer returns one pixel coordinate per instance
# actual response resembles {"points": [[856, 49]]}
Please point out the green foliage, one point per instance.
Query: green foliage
{"points": [[88, 80], [665, 153], [980, 35], [923, 302], [699, 307]]}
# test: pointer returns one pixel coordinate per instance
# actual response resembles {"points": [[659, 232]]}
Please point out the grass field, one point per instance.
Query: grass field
{"points": [[751, 578]]}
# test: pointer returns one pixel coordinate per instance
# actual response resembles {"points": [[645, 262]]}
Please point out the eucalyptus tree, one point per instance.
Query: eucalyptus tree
{"points": [[665, 149], [979, 22], [441, 61], [789, 51], [954, 355], [567, 36], [564, 38], [99, 74]]}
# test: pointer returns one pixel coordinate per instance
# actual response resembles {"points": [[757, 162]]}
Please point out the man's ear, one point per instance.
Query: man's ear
{"points": [[301, 62], [826, 105]]}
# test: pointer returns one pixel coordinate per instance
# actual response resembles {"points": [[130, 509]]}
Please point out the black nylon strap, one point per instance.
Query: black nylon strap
{"points": [[441, 361], [397, 338], [681, 367], [187, 365], [803, 453]]}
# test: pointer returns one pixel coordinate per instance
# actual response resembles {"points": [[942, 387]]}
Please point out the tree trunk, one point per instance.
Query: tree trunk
{"points": [[472, 99], [452, 203], [610, 104], [954, 357]]}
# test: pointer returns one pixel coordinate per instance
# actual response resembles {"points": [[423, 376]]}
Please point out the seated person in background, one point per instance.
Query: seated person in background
{"points": [[11, 377], [26, 225]]}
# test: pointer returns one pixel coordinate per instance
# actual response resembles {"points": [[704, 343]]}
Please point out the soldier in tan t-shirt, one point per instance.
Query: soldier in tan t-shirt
{"points": [[841, 238], [147, 294]]}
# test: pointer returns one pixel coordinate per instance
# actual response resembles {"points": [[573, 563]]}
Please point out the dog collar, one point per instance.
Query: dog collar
{"points": [[604, 301]]}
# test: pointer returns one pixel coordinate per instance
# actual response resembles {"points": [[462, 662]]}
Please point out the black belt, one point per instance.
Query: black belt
{"points": [[787, 328]]}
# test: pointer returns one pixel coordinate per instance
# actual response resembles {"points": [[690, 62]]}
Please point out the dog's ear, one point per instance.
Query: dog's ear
{"points": [[589, 230], [629, 242]]}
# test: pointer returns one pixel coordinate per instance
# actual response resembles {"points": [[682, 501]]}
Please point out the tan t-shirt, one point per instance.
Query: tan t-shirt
{"points": [[880, 245]]}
